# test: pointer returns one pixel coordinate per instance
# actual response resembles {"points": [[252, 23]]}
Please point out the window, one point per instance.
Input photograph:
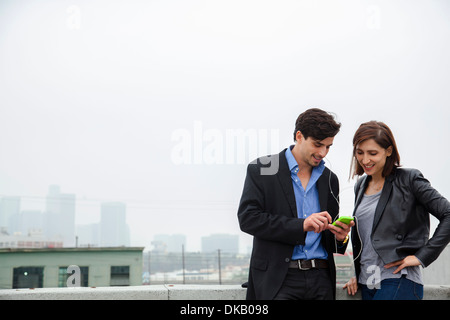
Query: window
{"points": [[63, 275], [120, 276], [28, 277]]}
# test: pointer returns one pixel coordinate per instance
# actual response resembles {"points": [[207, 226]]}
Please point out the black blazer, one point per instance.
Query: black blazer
{"points": [[268, 211], [401, 224]]}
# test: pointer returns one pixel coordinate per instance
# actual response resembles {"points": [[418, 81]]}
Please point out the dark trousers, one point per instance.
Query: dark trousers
{"points": [[312, 284]]}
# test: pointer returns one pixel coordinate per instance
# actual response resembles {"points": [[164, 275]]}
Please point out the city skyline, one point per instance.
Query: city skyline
{"points": [[43, 218], [55, 220], [161, 104]]}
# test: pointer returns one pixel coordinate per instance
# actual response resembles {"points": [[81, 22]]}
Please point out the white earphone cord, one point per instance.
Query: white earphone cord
{"points": [[339, 204]]}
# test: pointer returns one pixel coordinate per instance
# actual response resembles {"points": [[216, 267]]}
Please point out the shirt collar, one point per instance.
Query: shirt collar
{"points": [[293, 165]]}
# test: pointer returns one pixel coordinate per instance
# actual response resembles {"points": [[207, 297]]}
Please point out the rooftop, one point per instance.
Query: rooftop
{"points": [[170, 292], [69, 249]]}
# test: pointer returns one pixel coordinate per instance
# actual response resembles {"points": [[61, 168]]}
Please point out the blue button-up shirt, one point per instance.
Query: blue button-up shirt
{"points": [[307, 202]]}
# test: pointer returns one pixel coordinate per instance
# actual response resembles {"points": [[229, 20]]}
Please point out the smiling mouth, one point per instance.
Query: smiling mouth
{"points": [[369, 167], [318, 159]]}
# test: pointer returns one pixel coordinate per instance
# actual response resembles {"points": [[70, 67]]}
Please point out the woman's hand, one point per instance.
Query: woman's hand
{"points": [[351, 286], [409, 261]]}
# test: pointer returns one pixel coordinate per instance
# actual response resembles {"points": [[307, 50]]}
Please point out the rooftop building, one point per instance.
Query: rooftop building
{"points": [[89, 267]]}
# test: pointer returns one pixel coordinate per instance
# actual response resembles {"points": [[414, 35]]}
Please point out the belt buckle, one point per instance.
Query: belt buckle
{"points": [[313, 265]]}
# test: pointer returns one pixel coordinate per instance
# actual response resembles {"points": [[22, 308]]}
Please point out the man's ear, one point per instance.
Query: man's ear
{"points": [[299, 136]]}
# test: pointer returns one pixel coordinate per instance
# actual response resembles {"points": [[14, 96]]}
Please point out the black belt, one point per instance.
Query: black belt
{"points": [[308, 264]]}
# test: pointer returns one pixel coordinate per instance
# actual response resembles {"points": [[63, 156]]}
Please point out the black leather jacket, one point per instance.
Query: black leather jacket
{"points": [[401, 224]]}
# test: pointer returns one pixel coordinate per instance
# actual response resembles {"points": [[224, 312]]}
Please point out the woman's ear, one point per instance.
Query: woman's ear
{"points": [[389, 151]]}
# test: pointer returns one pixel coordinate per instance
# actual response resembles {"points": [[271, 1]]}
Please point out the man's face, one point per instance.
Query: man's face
{"points": [[312, 151]]}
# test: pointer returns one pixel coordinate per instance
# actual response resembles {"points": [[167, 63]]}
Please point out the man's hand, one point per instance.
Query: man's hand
{"points": [[342, 231], [317, 222]]}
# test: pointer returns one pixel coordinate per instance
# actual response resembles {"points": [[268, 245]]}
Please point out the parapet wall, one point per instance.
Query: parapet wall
{"points": [[170, 292]]}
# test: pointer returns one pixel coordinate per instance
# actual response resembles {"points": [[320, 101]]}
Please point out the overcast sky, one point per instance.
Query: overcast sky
{"points": [[139, 101]]}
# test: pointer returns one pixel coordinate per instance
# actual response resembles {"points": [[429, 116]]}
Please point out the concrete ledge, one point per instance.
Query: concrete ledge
{"points": [[170, 292], [206, 292], [88, 293]]}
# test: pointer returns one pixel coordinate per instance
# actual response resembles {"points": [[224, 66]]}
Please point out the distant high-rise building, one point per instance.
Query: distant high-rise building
{"points": [[30, 220], [169, 243], [88, 235], [9, 214], [224, 242], [113, 227], [59, 215]]}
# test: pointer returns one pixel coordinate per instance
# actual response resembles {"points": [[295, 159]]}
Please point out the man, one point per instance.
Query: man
{"points": [[289, 211]]}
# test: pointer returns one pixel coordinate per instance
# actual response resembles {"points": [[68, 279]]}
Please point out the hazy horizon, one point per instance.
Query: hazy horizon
{"points": [[133, 101]]}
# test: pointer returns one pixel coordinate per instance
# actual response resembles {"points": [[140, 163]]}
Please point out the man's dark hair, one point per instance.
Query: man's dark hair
{"points": [[317, 124]]}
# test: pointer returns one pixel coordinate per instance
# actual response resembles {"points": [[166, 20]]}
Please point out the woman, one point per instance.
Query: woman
{"points": [[392, 206]]}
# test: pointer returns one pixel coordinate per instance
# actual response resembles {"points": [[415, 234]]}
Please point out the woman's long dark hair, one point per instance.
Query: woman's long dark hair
{"points": [[383, 136]]}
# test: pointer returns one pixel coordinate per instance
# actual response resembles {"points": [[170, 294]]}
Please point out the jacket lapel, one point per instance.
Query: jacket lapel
{"points": [[284, 176], [322, 188], [385, 193], [387, 188], [360, 192]]}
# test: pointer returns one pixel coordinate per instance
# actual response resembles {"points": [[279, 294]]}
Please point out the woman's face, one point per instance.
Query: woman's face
{"points": [[372, 157]]}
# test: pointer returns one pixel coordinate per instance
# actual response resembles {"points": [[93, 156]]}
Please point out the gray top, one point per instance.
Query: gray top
{"points": [[372, 267]]}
